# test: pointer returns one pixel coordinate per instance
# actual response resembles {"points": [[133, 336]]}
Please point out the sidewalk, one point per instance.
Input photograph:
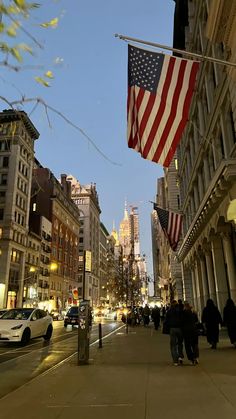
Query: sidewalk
{"points": [[132, 377]]}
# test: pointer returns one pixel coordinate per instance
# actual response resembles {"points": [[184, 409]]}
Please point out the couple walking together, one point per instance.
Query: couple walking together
{"points": [[182, 323]]}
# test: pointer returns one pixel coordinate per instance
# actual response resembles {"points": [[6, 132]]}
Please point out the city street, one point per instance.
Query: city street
{"points": [[20, 364]]}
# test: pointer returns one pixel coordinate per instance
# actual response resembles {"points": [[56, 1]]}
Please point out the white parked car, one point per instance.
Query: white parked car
{"points": [[23, 324]]}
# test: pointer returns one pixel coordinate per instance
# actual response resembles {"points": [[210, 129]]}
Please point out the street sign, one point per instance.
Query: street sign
{"points": [[88, 261]]}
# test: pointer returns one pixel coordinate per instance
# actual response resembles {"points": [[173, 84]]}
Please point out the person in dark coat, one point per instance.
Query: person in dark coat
{"points": [[190, 333], [146, 315], [174, 320], [229, 320], [181, 305], [156, 317], [211, 318]]}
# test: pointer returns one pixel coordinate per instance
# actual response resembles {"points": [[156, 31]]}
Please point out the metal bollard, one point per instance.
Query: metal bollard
{"points": [[100, 335]]}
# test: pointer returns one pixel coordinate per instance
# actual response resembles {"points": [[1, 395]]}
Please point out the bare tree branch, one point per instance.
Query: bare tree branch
{"points": [[47, 107]]}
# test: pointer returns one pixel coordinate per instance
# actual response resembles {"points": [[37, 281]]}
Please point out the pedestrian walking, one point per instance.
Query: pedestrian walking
{"points": [[146, 315], [229, 320], [174, 322], [162, 313], [181, 305], [190, 333], [156, 317], [211, 318]]}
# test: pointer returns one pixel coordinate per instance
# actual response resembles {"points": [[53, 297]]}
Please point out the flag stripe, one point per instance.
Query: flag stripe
{"points": [[158, 116], [184, 73], [147, 112], [171, 151], [173, 111], [158, 100], [173, 80], [133, 113]]}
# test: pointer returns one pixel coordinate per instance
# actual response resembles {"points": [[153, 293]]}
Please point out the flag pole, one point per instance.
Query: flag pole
{"points": [[179, 51]]}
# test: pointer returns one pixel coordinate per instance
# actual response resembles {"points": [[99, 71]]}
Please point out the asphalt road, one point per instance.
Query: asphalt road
{"points": [[19, 365]]}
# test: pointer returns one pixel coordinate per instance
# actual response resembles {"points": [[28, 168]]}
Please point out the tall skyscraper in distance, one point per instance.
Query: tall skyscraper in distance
{"points": [[129, 232], [134, 231], [124, 232]]}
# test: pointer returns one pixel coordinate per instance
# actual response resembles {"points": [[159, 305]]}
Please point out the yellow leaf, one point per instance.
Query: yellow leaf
{"points": [[20, 3], [52, 24], [11, 32], [16, 54], [40, 80], [49, 74]]}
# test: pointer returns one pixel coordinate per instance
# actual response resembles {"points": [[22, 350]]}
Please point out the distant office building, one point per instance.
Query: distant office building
{"points": [[103, 264], [86, 199], [134, 231]]}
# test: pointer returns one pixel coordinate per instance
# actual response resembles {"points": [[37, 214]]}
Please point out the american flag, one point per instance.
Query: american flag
{"points": [[160, 88], [171, 223]]}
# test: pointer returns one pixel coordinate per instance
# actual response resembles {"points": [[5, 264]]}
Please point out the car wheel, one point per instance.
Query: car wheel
{"points": [[48, 333], [25, 337]]}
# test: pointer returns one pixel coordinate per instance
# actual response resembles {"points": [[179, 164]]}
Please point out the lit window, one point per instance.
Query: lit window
{"points": [[34, 206], [13, 256]]}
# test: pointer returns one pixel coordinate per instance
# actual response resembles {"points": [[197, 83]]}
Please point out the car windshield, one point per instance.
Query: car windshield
{"points": [[73, 310], [17, 314]]}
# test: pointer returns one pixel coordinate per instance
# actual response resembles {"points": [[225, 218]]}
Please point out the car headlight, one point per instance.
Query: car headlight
{"points": [[17, 327]]}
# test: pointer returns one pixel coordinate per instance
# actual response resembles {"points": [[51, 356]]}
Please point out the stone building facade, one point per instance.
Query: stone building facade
{"points": [[52, 200], [207, 155], [17, 137]]}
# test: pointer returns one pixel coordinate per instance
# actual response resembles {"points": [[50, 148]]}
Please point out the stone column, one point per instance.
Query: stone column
{"points": [[192, 153], [194, 288], [187, 284], [205, 288], [210, 275], [201, 117], [199, 289], [5, 261], [219, 270], [230, 262], [206, 171], [196, 197], [200, 186]]}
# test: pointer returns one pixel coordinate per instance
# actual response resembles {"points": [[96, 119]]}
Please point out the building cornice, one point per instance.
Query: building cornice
{"points": [[218, 188]]}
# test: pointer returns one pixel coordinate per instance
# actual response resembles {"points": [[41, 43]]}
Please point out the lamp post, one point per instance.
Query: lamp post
{"points": [[29, 289]]}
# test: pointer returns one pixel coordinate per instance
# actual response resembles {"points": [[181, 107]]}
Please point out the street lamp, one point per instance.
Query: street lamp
{"points": [[30, 287]]}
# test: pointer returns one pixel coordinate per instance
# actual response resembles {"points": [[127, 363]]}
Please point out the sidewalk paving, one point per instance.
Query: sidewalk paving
{"points": [[132, 376]]}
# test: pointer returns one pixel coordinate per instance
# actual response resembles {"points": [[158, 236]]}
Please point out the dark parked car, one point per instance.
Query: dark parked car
{"points": [[2, 311], [71, 316]]}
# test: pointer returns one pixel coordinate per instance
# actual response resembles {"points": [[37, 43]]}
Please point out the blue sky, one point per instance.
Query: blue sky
{"points": [[90, 89]]}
